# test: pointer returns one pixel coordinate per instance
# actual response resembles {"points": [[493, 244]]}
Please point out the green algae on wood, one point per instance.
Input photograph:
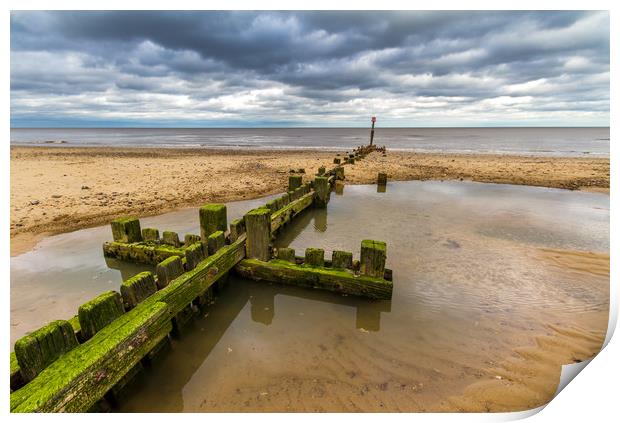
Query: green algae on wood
{"points": [[190, 285], [17, 380], [342, 259], [372, 258], [287, 213], [126, 229], [286, 254], [168, 270], [336, 280], [322, 191], [258, 231], [237, 228], [81, 377], [315, 257], [212, 218], [215, 241], [191, 239], [171, 238], [294, 182], [194, 254], [150, 235], [137, 288], [147, 253], [36, 351], [99, 312]]}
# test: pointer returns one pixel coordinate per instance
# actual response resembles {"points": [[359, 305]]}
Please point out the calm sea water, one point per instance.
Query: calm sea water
{"points": [[535, 141]]}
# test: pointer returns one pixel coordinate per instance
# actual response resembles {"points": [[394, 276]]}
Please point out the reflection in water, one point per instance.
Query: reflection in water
{"points": [[381, 188], [320, 220], [339, 189]]}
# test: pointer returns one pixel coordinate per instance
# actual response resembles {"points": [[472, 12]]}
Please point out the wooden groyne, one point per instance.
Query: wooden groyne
{"points": [[73, 365]]}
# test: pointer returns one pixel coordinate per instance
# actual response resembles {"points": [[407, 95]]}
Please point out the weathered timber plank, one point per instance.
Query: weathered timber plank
{"points": [[287, 213], [182, 290], [78, 379], [141, 252], [336, 280]]}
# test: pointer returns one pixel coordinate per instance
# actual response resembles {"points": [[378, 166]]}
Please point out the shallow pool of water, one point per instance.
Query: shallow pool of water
{"points": [[470, 285]]}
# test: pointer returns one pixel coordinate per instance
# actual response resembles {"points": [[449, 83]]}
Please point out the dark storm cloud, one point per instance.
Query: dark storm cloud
{"points": [[291, 66]]}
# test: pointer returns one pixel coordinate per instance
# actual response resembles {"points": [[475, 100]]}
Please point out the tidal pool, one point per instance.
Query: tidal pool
{"points": [[481, 271]]}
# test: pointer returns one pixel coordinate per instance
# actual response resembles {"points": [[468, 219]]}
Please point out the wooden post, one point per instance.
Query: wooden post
{"points": [[340, 173], [212, 219], [372, 258], [315, 257], [287, 254], [126, 229], [342, 259], [171, 238], [150, 234], [294, 182], [36, 351], [215, 241], [237, 228], [321, 171], [99, 312], [258, 229], [168, 270], [372, 130], [135, 290], [321, 190]]}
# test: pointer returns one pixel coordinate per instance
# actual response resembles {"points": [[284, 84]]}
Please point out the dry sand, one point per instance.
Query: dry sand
{"points": [[57, 190]]}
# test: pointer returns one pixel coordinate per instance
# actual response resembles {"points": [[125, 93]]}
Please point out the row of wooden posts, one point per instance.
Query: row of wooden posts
{"points": [[114, 333]]}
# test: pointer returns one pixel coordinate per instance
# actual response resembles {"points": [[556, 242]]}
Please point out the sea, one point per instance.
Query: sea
{"points": [[547, 141]]}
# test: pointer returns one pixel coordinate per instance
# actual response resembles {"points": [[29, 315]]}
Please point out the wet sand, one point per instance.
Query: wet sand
{"points": [[55, 190]]}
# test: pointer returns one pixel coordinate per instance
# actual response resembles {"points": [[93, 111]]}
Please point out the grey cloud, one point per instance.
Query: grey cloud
{"points": [[304, 63]]}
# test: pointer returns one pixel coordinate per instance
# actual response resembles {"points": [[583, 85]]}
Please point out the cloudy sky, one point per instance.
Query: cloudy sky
{"points": [[309, 68]]}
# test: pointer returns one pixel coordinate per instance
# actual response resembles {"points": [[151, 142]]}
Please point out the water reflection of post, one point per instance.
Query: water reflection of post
{"points": [[339, 187], [203, 336], [381, 188], [262, 299], [320, 220]]}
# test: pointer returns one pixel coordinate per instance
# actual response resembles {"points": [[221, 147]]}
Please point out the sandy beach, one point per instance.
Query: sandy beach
{"points": [[56, 190]]}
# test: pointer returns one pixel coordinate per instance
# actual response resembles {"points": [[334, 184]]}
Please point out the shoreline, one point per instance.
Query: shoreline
{"points": [[62, 189]]}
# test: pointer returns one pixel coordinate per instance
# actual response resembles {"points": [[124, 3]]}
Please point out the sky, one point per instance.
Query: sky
{"points": [[293, 69]]}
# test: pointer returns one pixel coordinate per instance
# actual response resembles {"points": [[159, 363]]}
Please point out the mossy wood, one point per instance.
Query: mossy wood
{"points": [[81, 377], [287, 213], [212, 218], [258, 230], [99, 312], [215, 241], [126, 229], [168, 270], [191, 239], [382, 178], [194, 254], [190, 285], [322, 190], [137, 288], [237, 228], [315, 257], [150, 235], [294, 182], [146, 253], [171, 238], [372, 258], [286, 254], [36, 351], [336, 280], [342, 259]]}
